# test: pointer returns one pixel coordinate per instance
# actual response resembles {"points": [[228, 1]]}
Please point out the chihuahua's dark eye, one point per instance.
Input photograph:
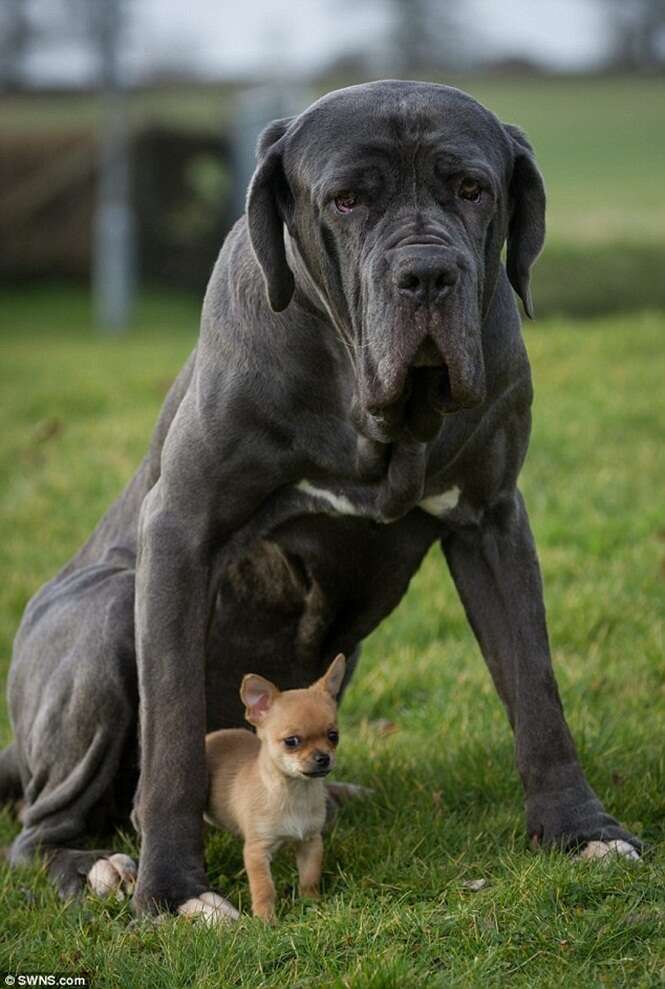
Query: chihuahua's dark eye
{"points": [[333, 736], [470, 190], [345, 202], [292, 742]]}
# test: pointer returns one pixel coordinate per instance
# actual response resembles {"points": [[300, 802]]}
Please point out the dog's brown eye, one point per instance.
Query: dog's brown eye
{"points": [[292, 742], [333, 736], [470, 190], [345, 202]]}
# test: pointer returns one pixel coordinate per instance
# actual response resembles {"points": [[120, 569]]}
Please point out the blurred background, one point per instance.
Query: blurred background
{"points": [[127, 129]]}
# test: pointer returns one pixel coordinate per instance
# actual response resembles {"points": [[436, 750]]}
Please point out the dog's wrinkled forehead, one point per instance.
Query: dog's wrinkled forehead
{"points": [[392, 120]]}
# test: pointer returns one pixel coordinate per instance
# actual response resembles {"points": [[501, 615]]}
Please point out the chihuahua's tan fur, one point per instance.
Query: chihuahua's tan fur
{"points": [[268, 788]]}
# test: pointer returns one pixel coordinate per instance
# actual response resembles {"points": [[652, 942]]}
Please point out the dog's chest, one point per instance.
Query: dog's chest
{"points": [[299, 816], [341, 503], [385, 483], [296, 826], [441, 504]]}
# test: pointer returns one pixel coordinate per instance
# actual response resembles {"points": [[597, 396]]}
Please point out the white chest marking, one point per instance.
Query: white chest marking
{"points": [[440, 504], [340, 503], [295, 819], [298, 827]]}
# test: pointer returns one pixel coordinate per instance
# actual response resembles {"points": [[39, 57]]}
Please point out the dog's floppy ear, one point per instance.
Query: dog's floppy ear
{"points": [[258, 695], [331, 680], [267, 199], [526, 230]]}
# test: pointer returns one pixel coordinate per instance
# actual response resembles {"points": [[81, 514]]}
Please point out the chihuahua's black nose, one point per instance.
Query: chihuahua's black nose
{"points": [[322, 760]]}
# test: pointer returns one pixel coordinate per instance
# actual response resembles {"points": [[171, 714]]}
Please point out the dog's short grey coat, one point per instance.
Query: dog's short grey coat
{"points": [[359, 338]]}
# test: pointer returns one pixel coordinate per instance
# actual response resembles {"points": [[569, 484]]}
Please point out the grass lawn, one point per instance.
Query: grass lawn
{"points": [[77, 411]]}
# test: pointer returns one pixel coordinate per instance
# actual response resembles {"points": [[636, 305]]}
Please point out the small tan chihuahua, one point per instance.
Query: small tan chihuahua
{"points": [[268, 788]]}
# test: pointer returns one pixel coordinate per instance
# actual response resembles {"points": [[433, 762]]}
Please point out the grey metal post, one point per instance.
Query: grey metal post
{"points": [[14, 43], [255, 108], [114, 254]]}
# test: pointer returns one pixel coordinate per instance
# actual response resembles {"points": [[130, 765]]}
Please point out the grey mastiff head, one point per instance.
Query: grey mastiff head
{"points": [[390, 203]]}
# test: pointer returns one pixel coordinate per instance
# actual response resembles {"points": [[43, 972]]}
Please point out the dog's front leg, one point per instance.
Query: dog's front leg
{"points": [[256, 855], [171, 615], [309, 856], [206, 491], [496, 571]]}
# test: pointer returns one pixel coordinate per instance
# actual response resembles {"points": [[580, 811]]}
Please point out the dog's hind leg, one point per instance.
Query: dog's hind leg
{"points": [[72, 870], [73, 701], [113, 874], [57, 818], [10, 775]]}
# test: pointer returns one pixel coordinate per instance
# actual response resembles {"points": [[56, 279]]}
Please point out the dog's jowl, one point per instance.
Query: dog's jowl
{"points": [[360, 390]]}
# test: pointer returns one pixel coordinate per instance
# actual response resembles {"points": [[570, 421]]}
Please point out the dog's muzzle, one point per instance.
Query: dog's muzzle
{"points": [[429, 361]]}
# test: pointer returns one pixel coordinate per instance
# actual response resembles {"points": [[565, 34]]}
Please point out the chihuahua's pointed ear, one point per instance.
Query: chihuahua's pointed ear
{"points": [[268, 204], [258, 695], [331, 681], [526, 230]]}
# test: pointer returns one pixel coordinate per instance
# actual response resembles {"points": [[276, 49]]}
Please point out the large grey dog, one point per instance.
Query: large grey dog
{"points": [[360, 390]]}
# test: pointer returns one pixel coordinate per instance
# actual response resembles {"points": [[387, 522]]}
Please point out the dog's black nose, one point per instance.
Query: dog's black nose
{"points": [[322, 760], [426, 280]]}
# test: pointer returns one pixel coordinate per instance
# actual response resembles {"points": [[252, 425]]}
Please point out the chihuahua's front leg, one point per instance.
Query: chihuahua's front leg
{"points": [[309, 856], [256, 855]]}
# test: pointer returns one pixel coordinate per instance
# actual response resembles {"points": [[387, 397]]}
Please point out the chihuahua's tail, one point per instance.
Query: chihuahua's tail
{"points": [[10, 778], [338, 794]]}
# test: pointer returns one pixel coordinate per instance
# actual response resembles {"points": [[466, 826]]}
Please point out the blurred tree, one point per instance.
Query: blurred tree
{"points": [[636, 33], [66, 31], [99, 26], [62, 31], [425, 35], [15, 37]]}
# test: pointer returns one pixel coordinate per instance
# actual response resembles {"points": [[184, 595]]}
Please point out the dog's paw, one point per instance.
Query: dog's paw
{"points": [[115, 874], [210, 907], [612, 849], [573, 819]]}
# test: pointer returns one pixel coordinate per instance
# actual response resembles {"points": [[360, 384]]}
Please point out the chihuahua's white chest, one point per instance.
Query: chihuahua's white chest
{"points": [[298, 814], [299, 827]]}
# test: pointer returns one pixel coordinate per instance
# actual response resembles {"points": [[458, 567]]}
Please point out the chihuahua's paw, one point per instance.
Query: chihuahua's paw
{"points": [[614, 849], [266, 914], [311, 892], [209, 907], [115, 874]]}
